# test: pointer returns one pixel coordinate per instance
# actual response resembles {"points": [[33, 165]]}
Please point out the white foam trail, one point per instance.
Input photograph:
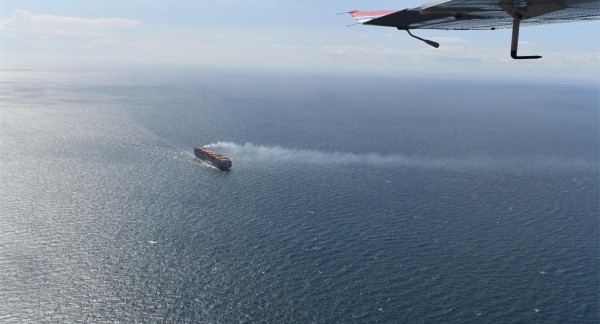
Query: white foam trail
{"points": [[251, 152]]}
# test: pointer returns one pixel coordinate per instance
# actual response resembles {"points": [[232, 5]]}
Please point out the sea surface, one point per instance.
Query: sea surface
{"points": [[351, 199]]}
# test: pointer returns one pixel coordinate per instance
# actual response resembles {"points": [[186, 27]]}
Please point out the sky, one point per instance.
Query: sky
{"points": [[281, 35]]}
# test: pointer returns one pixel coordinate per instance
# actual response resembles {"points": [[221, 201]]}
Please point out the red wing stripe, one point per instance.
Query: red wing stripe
{"points": [[364, 16]]}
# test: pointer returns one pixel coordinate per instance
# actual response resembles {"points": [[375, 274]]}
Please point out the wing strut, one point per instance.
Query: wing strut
{"points": [[515, 41], [428, 42]]}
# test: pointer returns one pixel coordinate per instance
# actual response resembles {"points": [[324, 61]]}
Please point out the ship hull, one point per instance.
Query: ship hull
{"points": [[213, 158]]}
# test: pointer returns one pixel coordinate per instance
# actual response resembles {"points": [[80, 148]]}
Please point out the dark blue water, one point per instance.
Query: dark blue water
{"points": [[350, 199]]}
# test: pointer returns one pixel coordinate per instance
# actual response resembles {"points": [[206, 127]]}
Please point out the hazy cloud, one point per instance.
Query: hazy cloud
{"points": [[414, 54], [25, 20]]}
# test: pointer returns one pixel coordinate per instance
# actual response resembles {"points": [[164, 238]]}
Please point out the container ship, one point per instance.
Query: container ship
{"points": [[213, 157]]}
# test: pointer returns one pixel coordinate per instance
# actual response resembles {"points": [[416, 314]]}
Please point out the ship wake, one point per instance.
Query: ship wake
{"points": [[266, 154]]}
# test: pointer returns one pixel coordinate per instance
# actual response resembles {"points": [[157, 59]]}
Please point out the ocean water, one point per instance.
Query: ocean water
{"points": [[350, 200]]}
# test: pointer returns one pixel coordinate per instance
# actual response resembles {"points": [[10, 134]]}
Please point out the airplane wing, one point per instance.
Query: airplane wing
{"points": [[481, 15]]}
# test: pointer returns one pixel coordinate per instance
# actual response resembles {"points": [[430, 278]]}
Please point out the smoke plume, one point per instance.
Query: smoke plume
{"points": [[261, 153]]}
